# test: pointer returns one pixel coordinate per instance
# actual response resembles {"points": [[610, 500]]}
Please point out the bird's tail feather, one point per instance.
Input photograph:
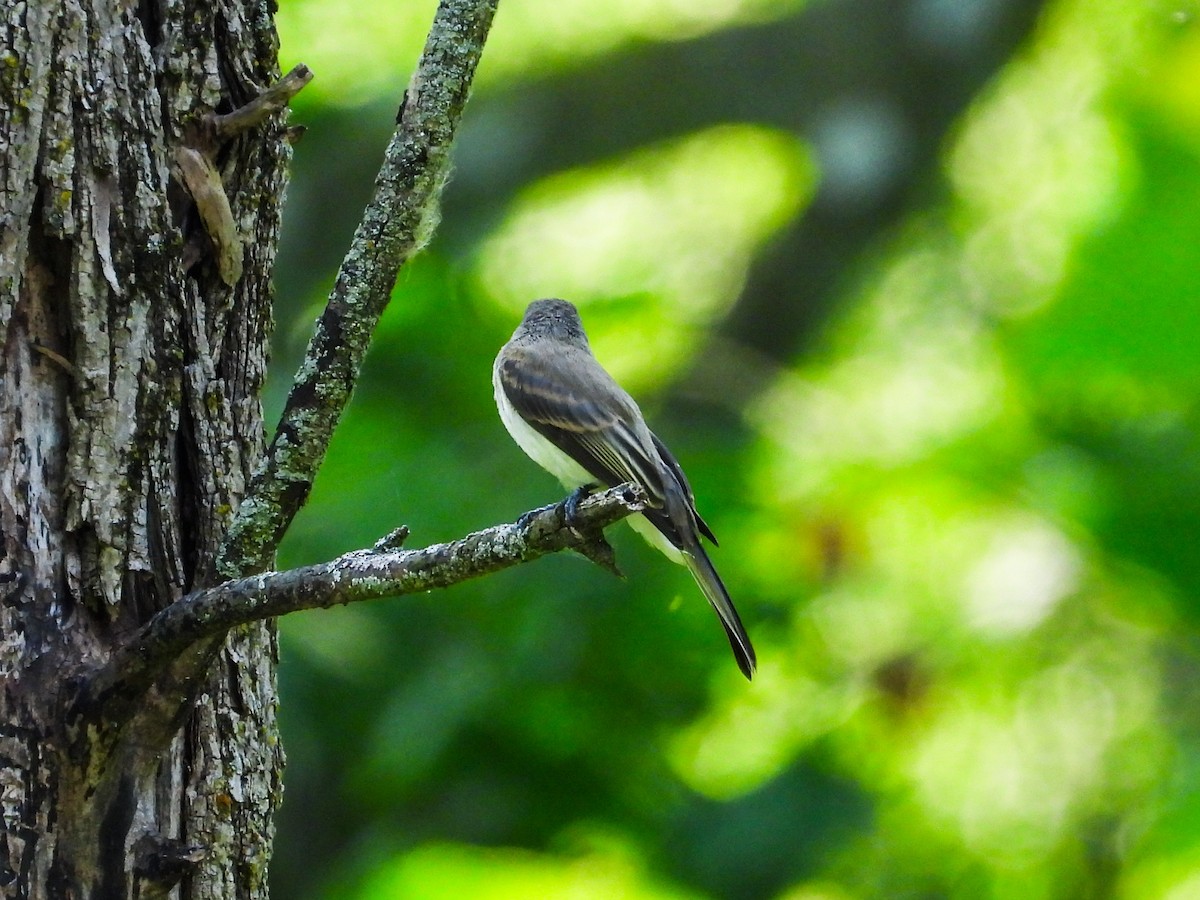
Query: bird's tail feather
{"points": [[714, 589]]}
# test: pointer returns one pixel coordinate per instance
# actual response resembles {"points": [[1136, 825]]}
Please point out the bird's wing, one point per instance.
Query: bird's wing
{"points": [[684, 486], [556, 395], [608, 438]]}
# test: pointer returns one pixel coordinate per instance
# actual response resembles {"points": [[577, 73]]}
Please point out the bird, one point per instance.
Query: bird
{"points": [[569, 415]]}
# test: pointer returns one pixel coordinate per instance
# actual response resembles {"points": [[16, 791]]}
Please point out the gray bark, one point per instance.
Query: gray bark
{"points": [[143, 161], [130, 422]]}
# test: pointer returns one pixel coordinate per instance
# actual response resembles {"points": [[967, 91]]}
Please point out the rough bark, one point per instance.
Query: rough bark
{"points": [[396, 223], [143, 160], [129, 426]]}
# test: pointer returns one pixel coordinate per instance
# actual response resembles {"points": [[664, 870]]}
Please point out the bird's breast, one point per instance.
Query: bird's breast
{"points": [[538, 448]]}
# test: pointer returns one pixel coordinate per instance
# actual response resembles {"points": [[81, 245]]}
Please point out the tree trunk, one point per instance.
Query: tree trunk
{"points": [[132, 353]]}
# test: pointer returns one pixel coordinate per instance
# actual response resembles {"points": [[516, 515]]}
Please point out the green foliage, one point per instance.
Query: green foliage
{"points": [[960, 520]]}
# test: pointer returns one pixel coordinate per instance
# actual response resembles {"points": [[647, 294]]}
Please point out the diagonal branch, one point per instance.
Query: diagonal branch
{"points": [[383, 571], [395, 225], [165, 675]]}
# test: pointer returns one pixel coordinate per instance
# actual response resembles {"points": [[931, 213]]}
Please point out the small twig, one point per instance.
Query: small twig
{"points": [[393, 540], [196, 167], [360, 575], [61, 361], [262, 107], [395, 225]]}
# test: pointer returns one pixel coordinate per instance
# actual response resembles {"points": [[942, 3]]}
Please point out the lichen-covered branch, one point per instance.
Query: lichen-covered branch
{"points": [[396, 223], [383, 571]]}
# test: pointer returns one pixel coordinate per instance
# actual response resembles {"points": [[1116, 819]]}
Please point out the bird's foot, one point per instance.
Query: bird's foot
{"points": [[592, 542], [571, 504], [526, 518], [569, 508]]}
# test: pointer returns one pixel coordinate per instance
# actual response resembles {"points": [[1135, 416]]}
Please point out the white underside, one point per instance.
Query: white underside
{"points": [[569, 473], [655, 539]]}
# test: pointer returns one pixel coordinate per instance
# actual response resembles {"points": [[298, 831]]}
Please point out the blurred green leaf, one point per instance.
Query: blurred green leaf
{"points": [[960, 526]]}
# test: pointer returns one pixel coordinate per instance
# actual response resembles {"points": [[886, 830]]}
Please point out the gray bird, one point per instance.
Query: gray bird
{"points": [[577, 423]]}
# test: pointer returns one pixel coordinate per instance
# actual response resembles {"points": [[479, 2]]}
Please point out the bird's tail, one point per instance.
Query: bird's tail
{"points": [[710, 583]]}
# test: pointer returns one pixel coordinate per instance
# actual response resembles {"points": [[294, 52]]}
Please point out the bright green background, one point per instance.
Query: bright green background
{"points": [[958, 509]]}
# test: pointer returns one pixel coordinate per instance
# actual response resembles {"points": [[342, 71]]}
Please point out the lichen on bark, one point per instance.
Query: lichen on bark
{"points": [[135, 309], [129, 423]]}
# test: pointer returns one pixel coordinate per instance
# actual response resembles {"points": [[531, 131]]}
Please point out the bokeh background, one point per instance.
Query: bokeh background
{"points": [[912, 288]]}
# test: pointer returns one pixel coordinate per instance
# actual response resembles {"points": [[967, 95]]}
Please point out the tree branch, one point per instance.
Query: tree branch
{"points": [[153, 677], [396, 223], [262, 107], [382, 571]]}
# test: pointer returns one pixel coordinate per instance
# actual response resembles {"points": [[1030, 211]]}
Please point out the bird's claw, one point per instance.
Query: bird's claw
{"points": [[526, 518], [571, 505]]}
